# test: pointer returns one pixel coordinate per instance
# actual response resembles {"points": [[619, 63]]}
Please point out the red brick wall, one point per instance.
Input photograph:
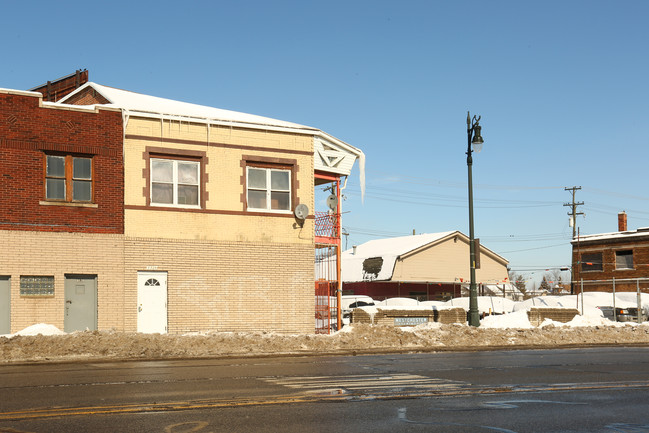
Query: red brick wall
{"points": [[603, 280], [26, 132], [88, 96]]}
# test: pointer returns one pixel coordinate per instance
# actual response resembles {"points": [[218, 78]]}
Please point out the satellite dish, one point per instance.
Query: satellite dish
{"points": [[332, 202], [301, 211]]}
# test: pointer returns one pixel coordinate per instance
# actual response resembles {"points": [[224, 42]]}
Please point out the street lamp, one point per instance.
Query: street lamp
{"points": [[474, 138]]}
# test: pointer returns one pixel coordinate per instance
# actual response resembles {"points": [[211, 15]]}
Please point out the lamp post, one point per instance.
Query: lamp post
{"points": [[474, 138]]}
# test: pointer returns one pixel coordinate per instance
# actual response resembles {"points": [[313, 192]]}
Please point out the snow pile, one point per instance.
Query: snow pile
{"points": [[38, 329], [518, 320]]}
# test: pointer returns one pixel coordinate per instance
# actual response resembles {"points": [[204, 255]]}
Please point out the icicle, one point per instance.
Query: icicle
{"points": [[361, 174]]}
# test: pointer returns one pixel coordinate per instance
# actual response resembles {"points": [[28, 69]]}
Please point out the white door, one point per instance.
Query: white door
{"points": [[152, 302]]}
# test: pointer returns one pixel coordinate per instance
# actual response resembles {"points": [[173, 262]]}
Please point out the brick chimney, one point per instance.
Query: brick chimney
{"points": [[621, 222]]}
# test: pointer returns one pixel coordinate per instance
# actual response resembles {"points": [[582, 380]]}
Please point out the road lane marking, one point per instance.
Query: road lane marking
{"points": [[444, 388]]}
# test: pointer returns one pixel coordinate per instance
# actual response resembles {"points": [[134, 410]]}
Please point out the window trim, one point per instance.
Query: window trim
{"points": [[69, 179], [289, 165], [269, 189], [176, 155]]}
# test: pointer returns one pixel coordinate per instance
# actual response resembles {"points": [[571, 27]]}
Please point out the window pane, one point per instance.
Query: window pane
{"points": [[188, 172], [257, 199], [162, 193], [81, 168], [624, 259], [188, 194], [257, 178], [81, 190], [591, 262], [162, 170], [56, 166], [55, 189], [279, 180], [36, 286], [280, 200]]}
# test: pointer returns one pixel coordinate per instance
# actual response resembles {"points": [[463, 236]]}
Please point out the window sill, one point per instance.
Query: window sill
{"points": [[269, 212], [173, 206], [68, 204]]}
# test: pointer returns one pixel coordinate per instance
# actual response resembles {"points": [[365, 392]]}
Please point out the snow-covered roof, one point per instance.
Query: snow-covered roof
{"points": [[641, 232], [145, 104], [387, 249], [339, 157]]}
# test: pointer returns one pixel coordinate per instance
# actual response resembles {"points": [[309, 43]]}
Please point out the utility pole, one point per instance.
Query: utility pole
{"points": [[573, 214]]}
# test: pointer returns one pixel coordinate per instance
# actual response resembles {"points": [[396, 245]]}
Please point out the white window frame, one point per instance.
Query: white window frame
{"points": [[175, 183], [269, 190]]}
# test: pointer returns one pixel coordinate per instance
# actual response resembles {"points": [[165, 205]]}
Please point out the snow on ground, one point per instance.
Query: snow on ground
{"points": [[46, 343]]}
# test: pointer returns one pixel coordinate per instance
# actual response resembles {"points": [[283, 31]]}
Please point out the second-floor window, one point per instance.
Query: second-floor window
{"points": [[68, 178], [269, 189], [592, 262], [175, 182], [624, 259]]}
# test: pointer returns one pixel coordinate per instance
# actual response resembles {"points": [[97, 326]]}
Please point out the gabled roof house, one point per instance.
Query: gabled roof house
{"points": [[137, 213], [428, 266]]}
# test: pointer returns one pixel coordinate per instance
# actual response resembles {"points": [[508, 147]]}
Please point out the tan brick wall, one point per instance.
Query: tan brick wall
{"points": [[537, 315], [57, 254], [223, 187], [227, 286]]}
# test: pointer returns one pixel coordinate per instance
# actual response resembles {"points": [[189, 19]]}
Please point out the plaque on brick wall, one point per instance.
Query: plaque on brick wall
{"points": [[409, 321]]}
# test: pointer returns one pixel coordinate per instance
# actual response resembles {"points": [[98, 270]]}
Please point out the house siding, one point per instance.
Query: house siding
{"points": [[448, 261]]}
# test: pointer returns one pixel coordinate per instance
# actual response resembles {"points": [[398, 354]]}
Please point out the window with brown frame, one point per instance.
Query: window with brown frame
{"points": [[69, 178], [270, 185], [269, 189], [175, 182]]}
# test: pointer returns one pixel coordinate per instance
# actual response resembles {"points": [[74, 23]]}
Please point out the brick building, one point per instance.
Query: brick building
{"points": [[171, 217], [620, 258]]}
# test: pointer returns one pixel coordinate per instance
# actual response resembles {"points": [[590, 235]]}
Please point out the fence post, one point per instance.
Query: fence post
{"points": [[614, 312], [639, 315]]}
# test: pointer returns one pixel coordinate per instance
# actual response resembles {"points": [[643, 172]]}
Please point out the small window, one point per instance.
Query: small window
{"points": [[624, 259], [36, 286], [269, 189], [175, 182], [68, 178], [592, 262]]}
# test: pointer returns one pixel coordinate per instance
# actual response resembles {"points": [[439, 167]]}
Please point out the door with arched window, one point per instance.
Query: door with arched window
{"points": [[152, 302]]}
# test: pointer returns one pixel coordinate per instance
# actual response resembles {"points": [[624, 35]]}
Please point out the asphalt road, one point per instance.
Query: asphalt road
{"points": [[578, 390]]}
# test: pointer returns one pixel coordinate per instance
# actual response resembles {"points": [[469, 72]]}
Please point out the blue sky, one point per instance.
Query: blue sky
{"points": [[561, 86]]}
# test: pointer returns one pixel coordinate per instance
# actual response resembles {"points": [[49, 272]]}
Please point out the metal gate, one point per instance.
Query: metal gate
{"points": [[326, 305]]}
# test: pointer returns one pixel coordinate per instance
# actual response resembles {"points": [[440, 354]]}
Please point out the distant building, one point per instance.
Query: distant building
{"points": [[620, 258], [432, 266]]}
